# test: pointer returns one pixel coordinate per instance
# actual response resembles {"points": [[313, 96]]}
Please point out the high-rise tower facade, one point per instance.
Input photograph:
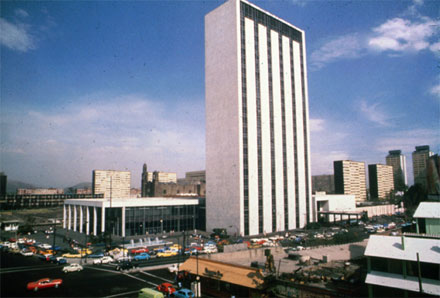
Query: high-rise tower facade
{"points": [[420, 161], [397, 160], [381, 181], [113, 184], [257, 132], [350, 179]]}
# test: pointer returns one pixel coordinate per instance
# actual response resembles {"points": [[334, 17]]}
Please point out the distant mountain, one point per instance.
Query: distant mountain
{"points": [[81, 185], [13, 185]]}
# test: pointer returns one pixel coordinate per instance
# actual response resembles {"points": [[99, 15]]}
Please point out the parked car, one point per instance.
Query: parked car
{"points": [[97, 255], [142, 256], [45, 246], [166, 288], [44, 283], [183, 293], [139, 250], [72, 268], [26, 253], [126, 265], [149, 293], [103, 260], [166, 254], [71, 255]]}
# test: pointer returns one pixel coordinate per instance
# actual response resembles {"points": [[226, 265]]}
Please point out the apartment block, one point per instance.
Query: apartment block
{"points": [[112, 184], [381, 181], [350, 179]]}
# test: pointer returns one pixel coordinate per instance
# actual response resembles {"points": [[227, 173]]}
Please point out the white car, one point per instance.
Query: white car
{"points": [[210, 250], [45, 246], [103, 260], [173, 268], [27, 253], [72, 268]]}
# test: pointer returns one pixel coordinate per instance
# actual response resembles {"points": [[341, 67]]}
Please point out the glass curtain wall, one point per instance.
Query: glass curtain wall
{"points": [[162, 219]]}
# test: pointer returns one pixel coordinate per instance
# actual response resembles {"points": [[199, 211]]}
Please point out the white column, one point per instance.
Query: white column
{"points": [[75, 220], [251, 102], [265, 129], [87, 220], [64, 216], [278, 130], [290, 158], [123, 222], [95, 222], [300, 134], [103, 219], [81, 219], [69, 220]]}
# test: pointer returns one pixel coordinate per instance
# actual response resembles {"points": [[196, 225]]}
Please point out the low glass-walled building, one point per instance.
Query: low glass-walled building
{"points": [[131, 217]]}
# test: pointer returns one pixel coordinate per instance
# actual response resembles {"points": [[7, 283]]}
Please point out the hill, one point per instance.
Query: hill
{"points": [[13, 185]]}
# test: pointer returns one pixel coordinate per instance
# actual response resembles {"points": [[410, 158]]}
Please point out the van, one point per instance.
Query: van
{"points": [[149, 293]]}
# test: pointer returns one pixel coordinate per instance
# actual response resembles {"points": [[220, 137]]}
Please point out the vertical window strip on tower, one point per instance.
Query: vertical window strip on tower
{"points": [[272, 137], [295, 141], [259, 140], [306, 141], [283, 125], [244, 123]]}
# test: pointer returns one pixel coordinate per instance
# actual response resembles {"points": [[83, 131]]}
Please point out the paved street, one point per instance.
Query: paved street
{"points": [[94, 281]]}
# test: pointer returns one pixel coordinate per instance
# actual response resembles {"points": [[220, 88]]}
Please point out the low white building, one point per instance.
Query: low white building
{"points": [[334, 207], [410, 263], [400, 264], [131, 217]]}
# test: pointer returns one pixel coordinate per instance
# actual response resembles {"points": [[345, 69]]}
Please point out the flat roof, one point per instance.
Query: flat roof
{"points": [[235, 274], [428, 210], [410, 283], [391, 247], [132, 202]]}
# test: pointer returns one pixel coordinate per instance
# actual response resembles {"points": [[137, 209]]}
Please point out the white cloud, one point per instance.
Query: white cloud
{"points": [[435, 47], [348, 46], [410, 33], [374, 114], [316, 125], [112, 133], [436, 90], [21, 13], [401, 35], [16, 36]]}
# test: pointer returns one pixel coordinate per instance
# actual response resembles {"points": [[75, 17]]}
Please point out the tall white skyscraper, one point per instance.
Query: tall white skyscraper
{"points": [[257, 132]]}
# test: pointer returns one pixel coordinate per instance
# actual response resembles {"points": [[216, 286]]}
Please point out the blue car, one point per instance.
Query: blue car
{"points": [[183, 293], [142, 256]]}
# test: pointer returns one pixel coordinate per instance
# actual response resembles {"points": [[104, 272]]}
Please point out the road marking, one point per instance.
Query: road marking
{"points": [[121, 294], [155, 276], [102, 269], [12, 270], [153, 284]]}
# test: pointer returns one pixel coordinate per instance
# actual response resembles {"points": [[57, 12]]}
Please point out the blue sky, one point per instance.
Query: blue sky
{"points": [[113, 84]]}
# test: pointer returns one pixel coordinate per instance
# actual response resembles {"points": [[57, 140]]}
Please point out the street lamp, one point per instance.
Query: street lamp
{"points": [[161, 226]]}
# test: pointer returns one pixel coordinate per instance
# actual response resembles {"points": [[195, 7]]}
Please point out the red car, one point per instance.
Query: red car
{"points": [[44, 283], [139, 250], [166, 288]]}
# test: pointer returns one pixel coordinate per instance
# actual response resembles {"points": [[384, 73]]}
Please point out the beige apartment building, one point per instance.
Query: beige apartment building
{"points": [[112, 184], [420, 160], [350, 179], [381, 181]]}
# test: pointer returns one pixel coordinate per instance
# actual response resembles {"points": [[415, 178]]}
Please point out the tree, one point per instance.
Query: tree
{"points": [[412, 198]]}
